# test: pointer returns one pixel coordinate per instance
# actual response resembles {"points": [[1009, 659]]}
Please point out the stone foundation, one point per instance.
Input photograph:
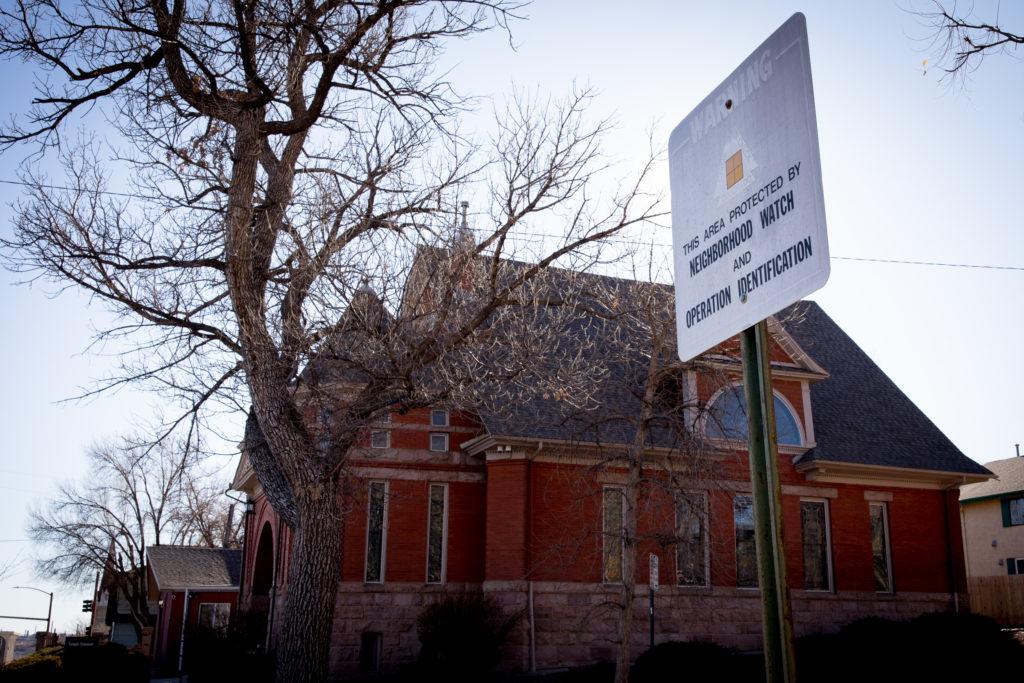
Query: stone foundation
{"points": [[575, 623]]}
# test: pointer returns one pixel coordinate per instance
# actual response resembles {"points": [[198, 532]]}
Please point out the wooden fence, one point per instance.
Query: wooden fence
{"points": [[999, 597]]}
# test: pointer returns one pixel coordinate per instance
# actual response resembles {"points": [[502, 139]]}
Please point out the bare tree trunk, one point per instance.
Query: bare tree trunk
{"points": [[629, 562], [313, 576]]}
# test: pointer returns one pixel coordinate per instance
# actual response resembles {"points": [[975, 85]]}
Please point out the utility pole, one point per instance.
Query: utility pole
{"points": [[777, 616]]}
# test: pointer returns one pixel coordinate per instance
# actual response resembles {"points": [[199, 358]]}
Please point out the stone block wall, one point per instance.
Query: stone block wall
{"points": [[576, 623]]}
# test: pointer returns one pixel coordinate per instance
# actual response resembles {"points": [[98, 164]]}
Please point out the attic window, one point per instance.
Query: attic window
{"points": [[727, 418]]}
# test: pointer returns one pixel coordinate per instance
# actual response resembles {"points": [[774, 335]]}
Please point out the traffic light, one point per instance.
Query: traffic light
{"points": [[86, 605]]}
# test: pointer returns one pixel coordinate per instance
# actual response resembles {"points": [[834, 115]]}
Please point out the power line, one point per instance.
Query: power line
{"points": [[926, 263], [526, 235]]}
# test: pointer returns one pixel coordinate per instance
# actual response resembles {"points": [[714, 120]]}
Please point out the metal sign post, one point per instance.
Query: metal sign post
{"points": [[653, 585], [776, 612], [749, 239]]}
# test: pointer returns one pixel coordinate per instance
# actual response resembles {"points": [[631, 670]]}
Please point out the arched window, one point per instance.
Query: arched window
{"points": [[727, 418]]}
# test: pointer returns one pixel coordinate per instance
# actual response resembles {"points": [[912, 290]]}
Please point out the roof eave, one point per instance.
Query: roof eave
{"points": [[886, 475]]}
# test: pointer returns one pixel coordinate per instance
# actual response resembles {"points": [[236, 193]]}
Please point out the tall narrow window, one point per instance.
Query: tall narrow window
{"points": [[612, 543], [880, 547], [815, 534], [376, 530], [746, 550], [691, 544], [437, 530]]}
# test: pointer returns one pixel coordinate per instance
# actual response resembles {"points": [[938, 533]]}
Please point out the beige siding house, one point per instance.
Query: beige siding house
{"points": [[992, 515]]}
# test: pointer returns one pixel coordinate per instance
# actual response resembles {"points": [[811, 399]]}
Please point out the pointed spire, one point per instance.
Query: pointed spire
{"points": [[464, 240]]}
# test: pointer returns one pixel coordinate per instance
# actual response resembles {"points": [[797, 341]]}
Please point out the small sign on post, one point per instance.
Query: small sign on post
{"points": [[749, 239], [654, 571]]}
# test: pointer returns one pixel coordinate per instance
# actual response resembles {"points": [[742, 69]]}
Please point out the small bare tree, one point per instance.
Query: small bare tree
{"points": [[134, 496], [295, 168], [639, 427]]}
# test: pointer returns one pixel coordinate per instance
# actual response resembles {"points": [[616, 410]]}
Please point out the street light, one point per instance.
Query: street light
{"points": [[49, 611]]}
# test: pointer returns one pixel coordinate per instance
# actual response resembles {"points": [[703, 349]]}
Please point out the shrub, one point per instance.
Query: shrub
{"points": [[599, 672], [110, 660], [462, 636], [933, 647], [43, 666], [700, 661], [217, 656]]}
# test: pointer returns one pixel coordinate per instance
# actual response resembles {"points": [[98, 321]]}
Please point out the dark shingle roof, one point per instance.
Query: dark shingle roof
{"points": [[860, 415], [178, 567], [1010, 479]]}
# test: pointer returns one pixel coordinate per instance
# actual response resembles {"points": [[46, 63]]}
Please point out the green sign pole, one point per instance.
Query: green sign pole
{"points": [[776, 613]]}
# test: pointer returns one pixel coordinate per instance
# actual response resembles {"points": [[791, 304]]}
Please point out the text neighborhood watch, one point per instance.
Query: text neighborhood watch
{"points": [[775, 201]]}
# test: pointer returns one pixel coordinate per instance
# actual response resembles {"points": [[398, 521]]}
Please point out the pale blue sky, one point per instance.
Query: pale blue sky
{"points": [[912, 170]]}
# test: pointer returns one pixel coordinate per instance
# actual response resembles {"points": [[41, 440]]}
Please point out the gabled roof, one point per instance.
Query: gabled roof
{"points": [[860, 415], [1009, 479], [177, 567]]}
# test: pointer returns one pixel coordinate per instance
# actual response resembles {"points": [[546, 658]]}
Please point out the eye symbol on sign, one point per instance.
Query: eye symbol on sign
{"points": [[734, 169]]}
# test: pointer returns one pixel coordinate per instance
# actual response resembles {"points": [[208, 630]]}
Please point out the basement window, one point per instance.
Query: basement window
{"points": [[369, 652]]}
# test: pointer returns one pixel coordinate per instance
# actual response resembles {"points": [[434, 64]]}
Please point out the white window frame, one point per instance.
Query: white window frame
{"points": [[447, 417], [707, 542], [387, 438], [621, 532], [383, 534], [443, 435], [444, 537], [828, 547], [888, 546]]}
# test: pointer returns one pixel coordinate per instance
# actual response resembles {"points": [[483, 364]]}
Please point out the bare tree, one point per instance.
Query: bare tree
{"points": [[962, 40], [134, 496], [295, 171], [639, 428]]}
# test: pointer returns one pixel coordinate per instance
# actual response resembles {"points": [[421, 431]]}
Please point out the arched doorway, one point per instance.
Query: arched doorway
{"points": [[262, 587]]}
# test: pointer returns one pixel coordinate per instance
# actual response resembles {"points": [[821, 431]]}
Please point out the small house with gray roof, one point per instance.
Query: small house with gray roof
{"points": [[196, 590], [525, 502], [993, 521]]}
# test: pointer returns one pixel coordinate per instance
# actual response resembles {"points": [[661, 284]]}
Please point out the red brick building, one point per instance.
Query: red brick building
{"points": [[442, 502]]}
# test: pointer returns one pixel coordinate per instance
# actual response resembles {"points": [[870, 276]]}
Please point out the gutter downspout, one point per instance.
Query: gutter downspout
{"points": [[184, 625], [950, 562], [529, 535]]}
